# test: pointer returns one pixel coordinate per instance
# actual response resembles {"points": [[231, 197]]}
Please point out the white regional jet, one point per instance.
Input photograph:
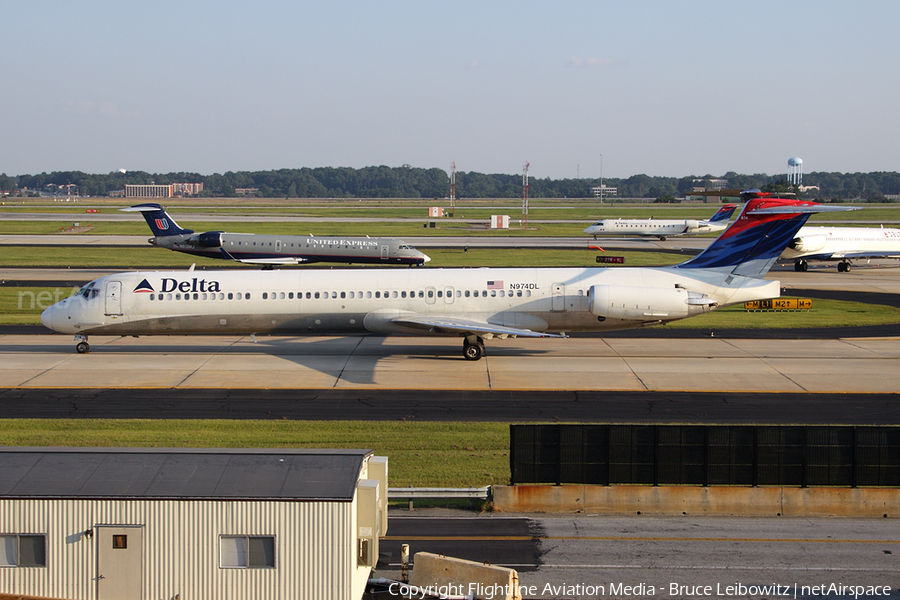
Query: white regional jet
{"points": [[841, 244], [662, 227], [475, 304]]}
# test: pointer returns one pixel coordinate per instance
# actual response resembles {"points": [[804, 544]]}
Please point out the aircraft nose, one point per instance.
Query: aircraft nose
{"points": [[425, 258], [47, 318]]}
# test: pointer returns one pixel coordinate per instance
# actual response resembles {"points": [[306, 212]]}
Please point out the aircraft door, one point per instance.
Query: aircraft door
{"points": [[448, 295], [114, 297], [558, 298], [119, 563], [385, 252], [277, 245], [430, 293]]}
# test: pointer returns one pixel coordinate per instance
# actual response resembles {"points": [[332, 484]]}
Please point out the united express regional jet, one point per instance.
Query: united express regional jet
{"points": [[271, 250], [662, 227], [474, 303]]}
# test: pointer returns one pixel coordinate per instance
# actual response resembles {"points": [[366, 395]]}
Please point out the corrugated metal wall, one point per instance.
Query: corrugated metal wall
{"points": [[315, 548]]}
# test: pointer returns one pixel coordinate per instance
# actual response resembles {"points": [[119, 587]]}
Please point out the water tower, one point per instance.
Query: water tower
{"points": [[795, 171]]}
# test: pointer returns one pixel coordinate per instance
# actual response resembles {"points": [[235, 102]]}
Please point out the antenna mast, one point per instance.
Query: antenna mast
{"points": [[525, 195], [452, 186]]}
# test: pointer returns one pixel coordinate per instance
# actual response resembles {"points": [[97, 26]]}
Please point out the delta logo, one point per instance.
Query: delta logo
{"points": [[170, 284]]}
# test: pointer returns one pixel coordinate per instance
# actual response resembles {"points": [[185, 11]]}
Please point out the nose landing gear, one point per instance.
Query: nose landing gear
{"points": [[82, 347]]}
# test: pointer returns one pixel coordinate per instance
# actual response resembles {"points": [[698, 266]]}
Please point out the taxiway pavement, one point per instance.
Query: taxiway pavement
{"points": [[715, 364]]}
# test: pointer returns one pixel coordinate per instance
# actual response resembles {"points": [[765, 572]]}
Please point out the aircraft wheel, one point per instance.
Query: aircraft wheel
{"points": [[801, 265], [82, 347], [473, 351], [843, 267]]}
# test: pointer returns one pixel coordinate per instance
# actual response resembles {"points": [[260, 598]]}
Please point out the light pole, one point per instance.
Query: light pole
{"points": [[601, 180]]}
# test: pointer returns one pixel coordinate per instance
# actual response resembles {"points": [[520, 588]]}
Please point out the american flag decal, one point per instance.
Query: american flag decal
{"points": [[496, 284], [162, 223]]}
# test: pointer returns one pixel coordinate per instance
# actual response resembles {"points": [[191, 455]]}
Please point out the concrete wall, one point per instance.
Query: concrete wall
{"points": [[678, 500]]}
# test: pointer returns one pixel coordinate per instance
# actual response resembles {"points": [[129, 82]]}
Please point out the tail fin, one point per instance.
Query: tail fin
{"points": [[158, 219], [723, 214], [752, 244]]}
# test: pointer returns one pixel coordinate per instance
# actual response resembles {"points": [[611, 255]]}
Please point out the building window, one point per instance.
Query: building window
{"points": [[23, 551], [247, 552]]}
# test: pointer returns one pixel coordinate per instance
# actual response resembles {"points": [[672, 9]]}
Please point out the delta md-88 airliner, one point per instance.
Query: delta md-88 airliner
{"points": [[473, 303]]}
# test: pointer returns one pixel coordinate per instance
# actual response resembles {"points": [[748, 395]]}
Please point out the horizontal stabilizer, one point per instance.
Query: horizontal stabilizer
{"points": [[142, 208], [799, 209]]}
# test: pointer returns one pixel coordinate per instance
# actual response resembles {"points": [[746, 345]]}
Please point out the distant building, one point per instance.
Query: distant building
{"points": [[604, 191], [709, 185], [163, 191], [186, 189]]}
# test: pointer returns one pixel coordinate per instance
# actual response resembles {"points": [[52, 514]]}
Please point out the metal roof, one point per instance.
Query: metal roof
{"points": [[181, 473]]}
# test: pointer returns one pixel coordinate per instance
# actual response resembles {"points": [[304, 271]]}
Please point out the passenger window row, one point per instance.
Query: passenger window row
{"points": [[431, 293]]}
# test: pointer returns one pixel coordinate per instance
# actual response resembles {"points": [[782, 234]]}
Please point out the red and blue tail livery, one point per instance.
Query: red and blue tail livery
{"points": [[752, 244]]}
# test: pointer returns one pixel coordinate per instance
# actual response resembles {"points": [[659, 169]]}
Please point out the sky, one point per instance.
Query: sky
{"points": [[572, 88]]}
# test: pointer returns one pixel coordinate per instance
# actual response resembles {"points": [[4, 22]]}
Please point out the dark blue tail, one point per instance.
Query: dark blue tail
{"points": [[723, 213], [159, 220]]}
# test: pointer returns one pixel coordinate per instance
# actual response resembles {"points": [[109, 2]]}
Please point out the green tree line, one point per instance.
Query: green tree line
{"points": [[412, 182]]}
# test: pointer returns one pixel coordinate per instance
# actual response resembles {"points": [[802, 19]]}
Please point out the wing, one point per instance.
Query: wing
{"points": [[466, 326], [286, 260]]}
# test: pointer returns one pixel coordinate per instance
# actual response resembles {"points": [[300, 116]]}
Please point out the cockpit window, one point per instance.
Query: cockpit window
{"points": [[89, 291]]}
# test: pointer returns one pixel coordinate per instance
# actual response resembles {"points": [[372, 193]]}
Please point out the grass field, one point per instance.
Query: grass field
{"points": [[404, 217], [421, 454], [149, 257]]}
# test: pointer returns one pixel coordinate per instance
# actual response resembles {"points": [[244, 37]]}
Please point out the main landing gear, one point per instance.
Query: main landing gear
{"points": [[473, 347], [842, 267], [82, 347]]}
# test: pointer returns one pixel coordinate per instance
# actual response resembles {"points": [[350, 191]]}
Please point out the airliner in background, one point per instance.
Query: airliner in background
{"points": [[841, 244], [662, 228], [271, 250], [472, 303]]}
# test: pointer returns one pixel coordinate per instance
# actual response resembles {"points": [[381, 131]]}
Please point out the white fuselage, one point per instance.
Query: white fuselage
{"points": [[826, 243], [653, 227], [388, 300]]}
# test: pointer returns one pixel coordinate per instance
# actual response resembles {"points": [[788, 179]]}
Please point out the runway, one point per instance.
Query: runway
{"points": [[724, 365]]}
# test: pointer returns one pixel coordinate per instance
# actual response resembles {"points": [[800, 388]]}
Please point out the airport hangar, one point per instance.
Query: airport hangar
{"points": [[102, 523]]}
